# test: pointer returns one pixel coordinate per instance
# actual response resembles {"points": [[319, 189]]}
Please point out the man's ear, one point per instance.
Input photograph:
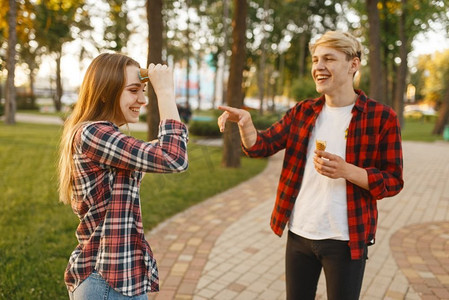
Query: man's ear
{"points": [[355, 65]]}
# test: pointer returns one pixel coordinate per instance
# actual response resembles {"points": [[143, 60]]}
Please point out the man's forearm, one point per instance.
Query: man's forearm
{"points": [[358, 176], [248, 134]]}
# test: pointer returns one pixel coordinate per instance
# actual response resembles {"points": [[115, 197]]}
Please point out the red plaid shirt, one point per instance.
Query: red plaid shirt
{"points": [[373, 143], [107, 176]]}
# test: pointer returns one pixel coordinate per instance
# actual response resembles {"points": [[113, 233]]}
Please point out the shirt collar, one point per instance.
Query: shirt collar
{"points": [[360, 102]]}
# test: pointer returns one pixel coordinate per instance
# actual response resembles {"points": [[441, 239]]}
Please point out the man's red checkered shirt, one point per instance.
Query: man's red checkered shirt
{"points": [[107, 176], [373, 143]]}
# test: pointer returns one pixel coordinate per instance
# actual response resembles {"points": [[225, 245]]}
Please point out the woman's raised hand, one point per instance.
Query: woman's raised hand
{"points": [[161, 77]]}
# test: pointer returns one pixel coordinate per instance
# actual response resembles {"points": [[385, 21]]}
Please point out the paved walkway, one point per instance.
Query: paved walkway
{"points": [[224, 249]]}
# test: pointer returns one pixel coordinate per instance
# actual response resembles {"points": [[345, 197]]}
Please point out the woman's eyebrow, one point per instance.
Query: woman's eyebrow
{"points": [[134, 84]]}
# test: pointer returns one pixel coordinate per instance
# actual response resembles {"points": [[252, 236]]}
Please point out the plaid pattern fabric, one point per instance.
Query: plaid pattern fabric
{"points": [[107, 176], [373, 143]]}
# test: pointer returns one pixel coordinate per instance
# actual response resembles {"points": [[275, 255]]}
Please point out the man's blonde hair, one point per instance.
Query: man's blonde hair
{"points": [[341, 41]]}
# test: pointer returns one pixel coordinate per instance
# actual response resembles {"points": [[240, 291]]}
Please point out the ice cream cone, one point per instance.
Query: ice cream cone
{"points": [[143, 75], [320, 145]]}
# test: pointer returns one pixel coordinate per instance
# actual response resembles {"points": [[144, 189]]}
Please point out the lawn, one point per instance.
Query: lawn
{"points": [[37, 233], [419, 130]]}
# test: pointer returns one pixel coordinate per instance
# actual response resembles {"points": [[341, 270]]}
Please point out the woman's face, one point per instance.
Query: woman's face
{"points": [[132, 97]]}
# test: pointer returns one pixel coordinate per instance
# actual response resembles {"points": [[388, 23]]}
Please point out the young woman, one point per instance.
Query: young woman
{"points": [[100, 172]]}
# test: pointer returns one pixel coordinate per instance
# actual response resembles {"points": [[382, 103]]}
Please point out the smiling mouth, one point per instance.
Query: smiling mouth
{"points": [[321, 78], [135, 109]]}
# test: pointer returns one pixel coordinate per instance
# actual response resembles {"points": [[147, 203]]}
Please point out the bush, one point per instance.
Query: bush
{"points": [[204, 128], [2, 109], [303, 88], [26, 102], [266, 120]]}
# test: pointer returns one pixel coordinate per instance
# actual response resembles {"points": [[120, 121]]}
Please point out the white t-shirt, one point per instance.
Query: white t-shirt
{"points": [[320, 211]]}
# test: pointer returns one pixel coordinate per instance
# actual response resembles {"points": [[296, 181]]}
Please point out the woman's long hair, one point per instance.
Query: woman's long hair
{"points": [[99, 100]]}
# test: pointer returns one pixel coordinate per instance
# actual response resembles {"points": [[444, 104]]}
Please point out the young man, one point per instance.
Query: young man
{"points": [[328, 198]]}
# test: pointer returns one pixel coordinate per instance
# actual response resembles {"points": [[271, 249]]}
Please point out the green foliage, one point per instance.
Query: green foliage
{"points": [[264, 121], [204, 128], [303, 88], [25, 101], [37, 234], [432, 76], [117, 34]]}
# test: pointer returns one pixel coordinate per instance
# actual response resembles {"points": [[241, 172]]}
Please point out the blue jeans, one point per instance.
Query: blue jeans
{"points": [[95, 287], [304, 260]]}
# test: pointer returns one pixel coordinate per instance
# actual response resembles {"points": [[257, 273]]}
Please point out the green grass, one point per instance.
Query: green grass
{"points": [[37, 234], [419, 130]]}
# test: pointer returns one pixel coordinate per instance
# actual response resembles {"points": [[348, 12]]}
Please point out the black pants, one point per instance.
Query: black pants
{"points": [[303, 263]]}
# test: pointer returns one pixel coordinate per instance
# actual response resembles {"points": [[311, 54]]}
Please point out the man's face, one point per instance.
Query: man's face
{"points": [[331, 71]]}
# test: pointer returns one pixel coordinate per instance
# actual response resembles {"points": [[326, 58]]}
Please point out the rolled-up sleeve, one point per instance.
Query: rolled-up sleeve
{"points": [[104, 143], [386, 180], [273, 139]]}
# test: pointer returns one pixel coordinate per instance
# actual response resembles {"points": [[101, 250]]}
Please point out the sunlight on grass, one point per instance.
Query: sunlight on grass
{"points": [[37, 234]]}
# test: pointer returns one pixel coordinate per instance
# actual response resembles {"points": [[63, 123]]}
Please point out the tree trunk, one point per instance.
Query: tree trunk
{"points": [[377, 83], [387, 66], [402, 72], [155, 28], [32, 95], [214, 89], [225, 48], [188, 56], [198, 77], [262, 59], [261, 77], [231, 149], [302, 55], [10, 94], [57, 97], [443, 114]]}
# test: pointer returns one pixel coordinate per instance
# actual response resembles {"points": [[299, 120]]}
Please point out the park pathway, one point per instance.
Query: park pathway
{"points": [[224, 249]]}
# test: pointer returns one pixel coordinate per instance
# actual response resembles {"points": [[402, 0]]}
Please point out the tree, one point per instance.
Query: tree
{"points": [[55, 20], [155, 42], [10, 103], [117, 33], [400, 22], [377, 84], [231, 149], [443, 113], [29, 50], [433, 75], [402, 70]]}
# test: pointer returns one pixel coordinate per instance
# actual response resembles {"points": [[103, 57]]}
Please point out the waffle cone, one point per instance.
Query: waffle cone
{"points": [[320, 145], [143, 75]]}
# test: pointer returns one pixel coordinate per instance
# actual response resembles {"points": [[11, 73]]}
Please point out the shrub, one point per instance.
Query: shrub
{"points": [[303, 88], [204, 128], [266, 120]]}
